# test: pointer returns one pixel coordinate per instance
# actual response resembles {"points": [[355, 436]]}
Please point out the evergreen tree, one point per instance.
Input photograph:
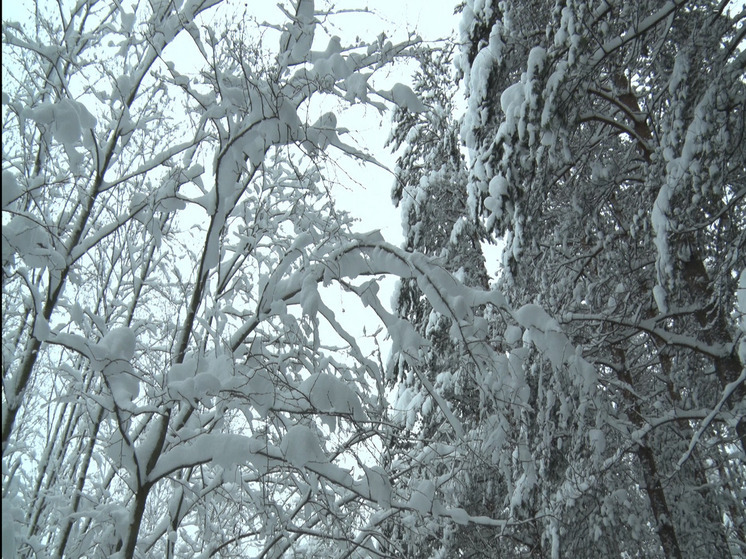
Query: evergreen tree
{"points": [[431, 178], [606, 147]]}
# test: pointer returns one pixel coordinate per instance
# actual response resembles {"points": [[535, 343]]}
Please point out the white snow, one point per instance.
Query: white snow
{"points": [[513, 334], [536, 60], [661, 226], [30, 241], [113, 355], [9, 549], [67, 118], [533, 316], [741, 298], [309, 296], [41, 328], [262, 391], [301, 445], [225, 450], [741, 307], [422, 497], [498, 188], [119, 343], [327, 393], [379, 485], [597, 440], [403, 96], [128, 22], [458, 515], [10, 190], [511, 100], [659, 294], [181, 371], [356, 86]]}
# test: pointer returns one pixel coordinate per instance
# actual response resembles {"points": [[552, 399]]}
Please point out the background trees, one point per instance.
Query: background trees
{"points": [[606, 146], [431, 191]]}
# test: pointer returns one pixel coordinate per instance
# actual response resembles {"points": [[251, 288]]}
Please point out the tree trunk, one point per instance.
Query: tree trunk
{"points": [[657, 497]]}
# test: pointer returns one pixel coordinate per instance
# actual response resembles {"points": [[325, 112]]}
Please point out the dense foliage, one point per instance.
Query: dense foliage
{"points": [[606, 149]]}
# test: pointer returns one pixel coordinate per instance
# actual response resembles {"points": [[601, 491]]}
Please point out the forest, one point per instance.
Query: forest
{"points": [[199, 354]]}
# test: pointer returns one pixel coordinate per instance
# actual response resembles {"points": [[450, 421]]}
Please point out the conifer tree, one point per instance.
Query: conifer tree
{"points": [[430, 189], [606, 146]]}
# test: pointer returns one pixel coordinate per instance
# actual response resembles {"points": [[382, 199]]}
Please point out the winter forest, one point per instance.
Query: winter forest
{"points": [[199, 358]]}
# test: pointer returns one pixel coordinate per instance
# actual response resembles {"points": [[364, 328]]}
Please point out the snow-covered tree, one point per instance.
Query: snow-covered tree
{"points": [[606, 146], [430, 188], [174, 384]]}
